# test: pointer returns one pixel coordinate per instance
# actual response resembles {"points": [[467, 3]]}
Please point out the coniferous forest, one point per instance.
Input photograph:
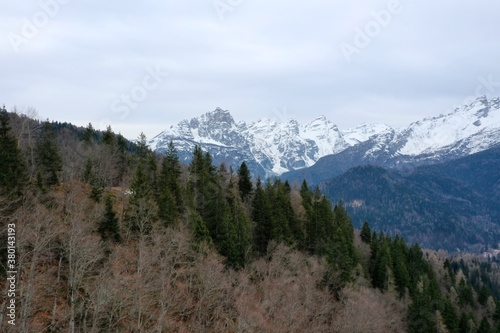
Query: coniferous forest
{"points": [[111, 237]]}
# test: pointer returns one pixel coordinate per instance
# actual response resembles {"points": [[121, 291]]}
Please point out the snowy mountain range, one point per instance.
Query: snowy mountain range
{"points": [[272, 148]]}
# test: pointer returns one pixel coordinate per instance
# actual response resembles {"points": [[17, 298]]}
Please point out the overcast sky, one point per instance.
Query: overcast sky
{"points": [[144, 65]]}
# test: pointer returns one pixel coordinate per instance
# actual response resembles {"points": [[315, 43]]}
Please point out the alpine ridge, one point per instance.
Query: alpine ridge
{"points": [[288, 148]]}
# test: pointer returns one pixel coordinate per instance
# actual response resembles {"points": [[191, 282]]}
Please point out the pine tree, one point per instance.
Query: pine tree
{"points": [[199, 228], [108, 138], [108, 226], [170, 203], [203, 181], [465, 294], [382, 266], [261, 215], [88, 134], [13, 175], [484, 326], [142, 148], [450, 316], [366, 233], [316, 223], [142, 210], [244, 181], [122, 165], [91, 178], [48, 158], [241, 228], [484, 294]]}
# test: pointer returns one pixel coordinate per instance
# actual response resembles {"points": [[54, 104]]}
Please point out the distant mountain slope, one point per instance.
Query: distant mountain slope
{"points": [[450, 205], [467, 130]]}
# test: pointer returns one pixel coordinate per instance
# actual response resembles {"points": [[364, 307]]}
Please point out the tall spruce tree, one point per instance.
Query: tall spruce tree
{"points": [[88, 134], [366, 233], [13, 175], [170, 202], [49, 160], [261, 215], [244, 181], [108, 138], [142, 210], [108, 225]]}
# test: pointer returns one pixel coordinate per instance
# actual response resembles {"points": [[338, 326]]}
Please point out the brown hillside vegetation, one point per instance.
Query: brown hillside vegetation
{"points": [[110, 237], [70, 281]]}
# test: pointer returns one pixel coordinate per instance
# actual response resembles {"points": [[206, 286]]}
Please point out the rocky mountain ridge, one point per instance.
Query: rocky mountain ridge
{"points": [[273, 148]]}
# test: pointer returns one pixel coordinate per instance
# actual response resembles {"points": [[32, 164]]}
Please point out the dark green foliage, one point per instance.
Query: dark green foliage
{"points": [[464, 324], [219, 205], [241, 229], [199, 229], [121, 149], [410, 272], [108, 226], [484, 293], [88, 134], [484, 326], [202, 181], [142, 148], [401, 274], [366, 233], [108, 138], [465, 294], [450, 272], [380, 262], [244, 181], [49, 160], [282, 215], [13, 174], [91, 178], [142, 210], [170, 203], [261, 215], [450, 317]]}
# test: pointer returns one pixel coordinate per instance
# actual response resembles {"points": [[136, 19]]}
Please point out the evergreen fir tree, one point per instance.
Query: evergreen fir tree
{"points": [[13, 175], [122, 163], [484, 326], [242, 228], [261, 215], [91, 178], [167, 207], [366, 233], [170, 201], [484, 294], [142, 210], [108, 138], [108, 226], [199, 228], [399, 267], [450, 316], [142, 148], [88, 134], [244, 181], [48, 158]]}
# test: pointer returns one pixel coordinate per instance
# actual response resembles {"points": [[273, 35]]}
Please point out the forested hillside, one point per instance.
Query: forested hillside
{"points": [[452, 206], [110, 237]]}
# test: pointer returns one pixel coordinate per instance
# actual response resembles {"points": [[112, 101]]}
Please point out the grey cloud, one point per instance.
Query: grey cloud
{"points": [[261, 57]]}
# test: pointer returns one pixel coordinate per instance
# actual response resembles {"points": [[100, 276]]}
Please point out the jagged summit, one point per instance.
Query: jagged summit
{"points": [[271, 147]]}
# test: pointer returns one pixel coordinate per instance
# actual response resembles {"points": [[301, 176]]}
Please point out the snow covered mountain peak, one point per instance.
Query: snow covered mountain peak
{"points": [[271, 147], [479, 120]]}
